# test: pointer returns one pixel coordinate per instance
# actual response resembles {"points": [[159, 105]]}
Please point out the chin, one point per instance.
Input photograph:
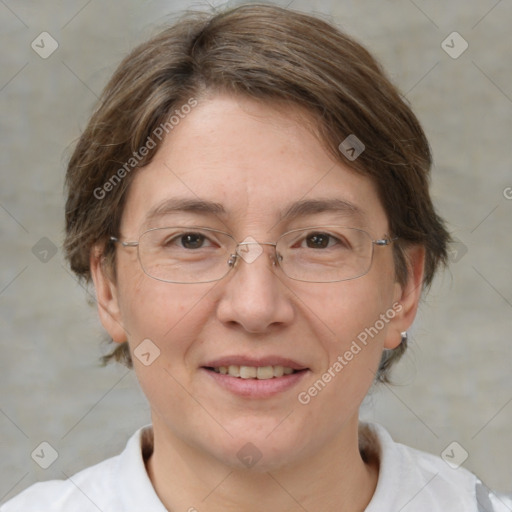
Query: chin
{"points": [[249, 457], [260, 452]]}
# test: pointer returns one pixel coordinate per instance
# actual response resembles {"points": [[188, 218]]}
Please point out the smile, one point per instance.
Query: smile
{"points": [[254, 372], [256, 382]]}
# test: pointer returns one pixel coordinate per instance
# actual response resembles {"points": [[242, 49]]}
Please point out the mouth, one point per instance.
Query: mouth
{"points": [[254, 372], [252, 378]]}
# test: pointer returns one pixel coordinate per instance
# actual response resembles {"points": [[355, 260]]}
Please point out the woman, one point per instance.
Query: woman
{"points": [[250, 200]]}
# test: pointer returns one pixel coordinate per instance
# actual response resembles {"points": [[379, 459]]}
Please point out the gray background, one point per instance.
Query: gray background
{"points": [[455, 382]]}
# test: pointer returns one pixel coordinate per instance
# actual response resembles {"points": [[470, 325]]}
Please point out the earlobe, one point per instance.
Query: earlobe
{"points": [[106, 297], [408, 296]]}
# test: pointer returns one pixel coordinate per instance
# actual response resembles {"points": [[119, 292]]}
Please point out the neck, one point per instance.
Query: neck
{"points": [[334, 479]]}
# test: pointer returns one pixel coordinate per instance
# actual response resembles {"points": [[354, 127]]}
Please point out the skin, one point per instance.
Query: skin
{"points": [[254, 159]]}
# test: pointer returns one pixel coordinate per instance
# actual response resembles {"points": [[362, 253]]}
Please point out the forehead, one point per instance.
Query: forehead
{"points": [[241, 161]]}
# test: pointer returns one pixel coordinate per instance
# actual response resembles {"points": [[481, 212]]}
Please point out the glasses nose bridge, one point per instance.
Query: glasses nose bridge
{"points": [[238, 253], [256, 243]]}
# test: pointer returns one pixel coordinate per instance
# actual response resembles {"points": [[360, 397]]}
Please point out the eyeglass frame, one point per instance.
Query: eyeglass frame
{"points": [[233, 258]]}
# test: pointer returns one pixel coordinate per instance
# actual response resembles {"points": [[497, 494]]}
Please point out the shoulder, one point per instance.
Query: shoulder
{"points": [[83, 491], [116, 484], [413, 480]]}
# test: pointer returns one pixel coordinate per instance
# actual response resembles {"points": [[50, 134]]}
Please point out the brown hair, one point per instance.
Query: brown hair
{"points": [[270, 54]]}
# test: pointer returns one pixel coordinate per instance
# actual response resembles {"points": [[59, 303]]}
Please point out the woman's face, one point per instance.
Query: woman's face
{"points": [[256, 162]]}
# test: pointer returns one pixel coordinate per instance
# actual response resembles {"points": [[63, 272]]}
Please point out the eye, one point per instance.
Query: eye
{"points": [[186, 240], [318, 240], [192, 240], [322, 240]]}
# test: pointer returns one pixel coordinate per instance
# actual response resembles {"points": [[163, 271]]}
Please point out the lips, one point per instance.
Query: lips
{"points": [[256, 377]]}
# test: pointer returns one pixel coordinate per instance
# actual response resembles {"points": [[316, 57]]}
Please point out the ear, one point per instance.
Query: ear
{"points": [[407, 296], [106, 296]]}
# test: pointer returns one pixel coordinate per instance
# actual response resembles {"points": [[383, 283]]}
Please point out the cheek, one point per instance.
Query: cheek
{"points": [[164, 320], [168, 314], [357, 314], [348, 308]]}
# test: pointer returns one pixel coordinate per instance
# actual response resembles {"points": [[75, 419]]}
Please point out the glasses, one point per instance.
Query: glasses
{"points": [[318, 254]]}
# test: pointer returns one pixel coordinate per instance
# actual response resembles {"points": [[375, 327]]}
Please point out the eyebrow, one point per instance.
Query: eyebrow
{"points": [[299, 208], [311, 206], [183, 204]]}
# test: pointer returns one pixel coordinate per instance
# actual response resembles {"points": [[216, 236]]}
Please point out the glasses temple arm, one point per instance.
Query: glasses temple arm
{"points": [[124, 244]]}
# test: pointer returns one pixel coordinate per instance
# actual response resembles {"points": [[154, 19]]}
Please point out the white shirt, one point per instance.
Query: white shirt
{"points": [[409, 481]]}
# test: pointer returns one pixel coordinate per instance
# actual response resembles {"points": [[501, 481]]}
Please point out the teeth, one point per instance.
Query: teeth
{"points": [[248, 372], [279, 371], [234, 370], [264, 372], [253, 372]]}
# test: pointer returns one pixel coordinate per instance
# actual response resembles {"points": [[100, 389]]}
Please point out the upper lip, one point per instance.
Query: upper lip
{"points": [[253, 361]]}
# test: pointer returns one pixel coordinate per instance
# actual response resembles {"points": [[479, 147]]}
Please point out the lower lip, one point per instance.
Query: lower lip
{"points": [[256, 388]]}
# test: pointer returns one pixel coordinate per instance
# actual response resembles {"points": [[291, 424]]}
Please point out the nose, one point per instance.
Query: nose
{"points": [[254, 295]]}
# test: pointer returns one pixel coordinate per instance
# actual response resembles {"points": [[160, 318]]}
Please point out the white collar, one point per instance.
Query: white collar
{"points": [[409, 480]]}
